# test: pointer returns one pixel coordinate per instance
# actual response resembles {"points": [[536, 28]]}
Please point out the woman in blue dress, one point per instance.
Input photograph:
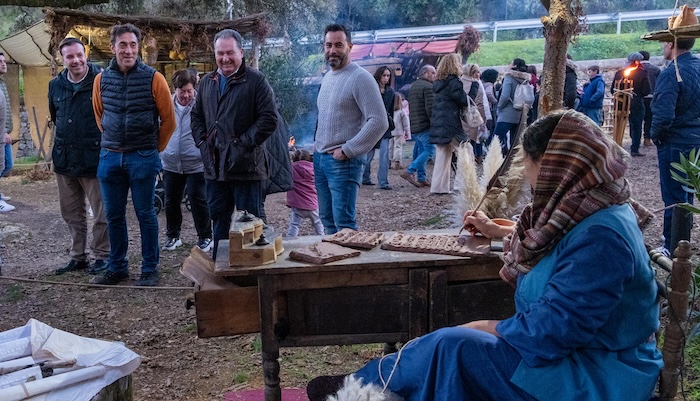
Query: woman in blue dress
{"points": [[585, 298]]}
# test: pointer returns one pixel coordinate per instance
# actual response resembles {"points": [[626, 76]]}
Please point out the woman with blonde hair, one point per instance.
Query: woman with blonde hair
{"points": [[446, 130]]}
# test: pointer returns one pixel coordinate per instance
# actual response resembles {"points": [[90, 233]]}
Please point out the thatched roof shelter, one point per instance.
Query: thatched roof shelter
{"points": [[171, 39]]}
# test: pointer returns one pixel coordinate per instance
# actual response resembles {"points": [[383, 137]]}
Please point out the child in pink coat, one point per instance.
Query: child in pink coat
{"points": [[302, 198]]}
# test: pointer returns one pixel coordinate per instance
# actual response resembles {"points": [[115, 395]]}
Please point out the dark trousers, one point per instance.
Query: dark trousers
{"points": [[225, 196], [636, 121], [647, 118], [175, 185]]}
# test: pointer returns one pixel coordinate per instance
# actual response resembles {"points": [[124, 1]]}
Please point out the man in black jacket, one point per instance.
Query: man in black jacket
{"points": [[75, 156], [232, 118]]}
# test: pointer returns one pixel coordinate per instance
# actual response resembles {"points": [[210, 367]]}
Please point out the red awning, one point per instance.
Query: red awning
{"points": [[360, 51]]}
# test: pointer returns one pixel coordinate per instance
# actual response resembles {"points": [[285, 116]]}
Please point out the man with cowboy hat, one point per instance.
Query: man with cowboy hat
{"points": [[675, 125]]}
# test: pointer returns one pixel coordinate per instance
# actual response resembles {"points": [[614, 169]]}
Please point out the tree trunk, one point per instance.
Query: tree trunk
{"points": [[559, 27]]}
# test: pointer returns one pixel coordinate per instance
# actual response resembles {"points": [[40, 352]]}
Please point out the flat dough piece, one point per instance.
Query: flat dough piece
{"points": [[438, 244], [356, 239], [322, 252]]}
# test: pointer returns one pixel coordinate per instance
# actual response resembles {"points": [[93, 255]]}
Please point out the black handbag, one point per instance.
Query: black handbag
{"points": [[392, 125]]}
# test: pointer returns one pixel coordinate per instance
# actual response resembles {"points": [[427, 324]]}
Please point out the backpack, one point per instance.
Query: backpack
{"points": [[524, 94]]}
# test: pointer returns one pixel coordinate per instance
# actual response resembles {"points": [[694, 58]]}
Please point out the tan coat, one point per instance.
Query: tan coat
{"points": [[473, 132]]}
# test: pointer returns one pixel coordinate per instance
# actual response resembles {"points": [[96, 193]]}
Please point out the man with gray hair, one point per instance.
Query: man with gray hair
{"points": [[233, 116], [420, 100]]}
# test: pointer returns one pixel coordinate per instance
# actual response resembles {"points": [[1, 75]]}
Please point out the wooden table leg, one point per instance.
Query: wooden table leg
{"points": [[267, 296]]}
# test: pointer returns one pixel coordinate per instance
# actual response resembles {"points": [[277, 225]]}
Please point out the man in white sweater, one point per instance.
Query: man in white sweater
{"points": [[351, 119]]}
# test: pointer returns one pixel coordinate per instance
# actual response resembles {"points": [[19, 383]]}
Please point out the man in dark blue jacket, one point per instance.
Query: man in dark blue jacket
{"points": [[232, 118], [675, 125], [75, 156], [593, 94]]}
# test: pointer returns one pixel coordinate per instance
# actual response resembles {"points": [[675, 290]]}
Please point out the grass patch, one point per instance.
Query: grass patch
{"points": [[257, 344], [14, 293], [28, 160], [189, 328], [587, 47], [692, 374], [435, 220], [241, 377]]}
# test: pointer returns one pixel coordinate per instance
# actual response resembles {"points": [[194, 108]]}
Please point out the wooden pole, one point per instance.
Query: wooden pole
{"points": [[674, 337]]}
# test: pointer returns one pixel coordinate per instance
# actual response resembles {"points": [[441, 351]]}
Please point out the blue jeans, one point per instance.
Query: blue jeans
{"points": [[671, 190], [9, 163], [337, 184], [593, 114], [417, 148], [383, 169], [448, 364], [367, 170], [501, 131], [118, 172], [225, 196], [427, 151]]}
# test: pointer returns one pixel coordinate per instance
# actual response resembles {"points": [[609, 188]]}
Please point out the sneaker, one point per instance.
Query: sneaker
{"points": [[149, 279], [5, 207], [171, 244], [99, 266], [72, 266], [110, 278], [409, 177], [664, 251], [205, 244], [5, 198]]}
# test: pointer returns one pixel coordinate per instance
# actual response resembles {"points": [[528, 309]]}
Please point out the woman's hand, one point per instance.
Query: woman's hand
{"points": [[488, 326], [478, 222]]}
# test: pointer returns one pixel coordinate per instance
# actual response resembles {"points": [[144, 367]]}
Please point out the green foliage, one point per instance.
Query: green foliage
{"points": [[692, 353], [687, 172], [587, 47], [257, 344], [286, 72], [14, 293]]}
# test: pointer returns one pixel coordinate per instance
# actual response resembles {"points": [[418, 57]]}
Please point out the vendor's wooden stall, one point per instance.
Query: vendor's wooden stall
{"points": [[380, 296]]}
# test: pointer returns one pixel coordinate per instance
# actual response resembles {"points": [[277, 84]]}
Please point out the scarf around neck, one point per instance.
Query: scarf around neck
{"points": [[581, 172]]}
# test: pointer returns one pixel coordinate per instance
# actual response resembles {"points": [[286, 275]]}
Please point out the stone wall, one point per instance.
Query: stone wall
{"points": [[26, 146]]}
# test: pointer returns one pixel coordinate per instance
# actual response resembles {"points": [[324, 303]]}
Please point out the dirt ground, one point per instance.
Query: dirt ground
{"points": [[154, 323]]}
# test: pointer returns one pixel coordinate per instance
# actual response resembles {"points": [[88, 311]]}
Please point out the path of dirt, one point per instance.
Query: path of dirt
{"points": [[176, 364]]}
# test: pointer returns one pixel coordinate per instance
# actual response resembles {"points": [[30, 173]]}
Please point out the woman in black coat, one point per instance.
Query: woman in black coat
{"points": [[445, 123]]}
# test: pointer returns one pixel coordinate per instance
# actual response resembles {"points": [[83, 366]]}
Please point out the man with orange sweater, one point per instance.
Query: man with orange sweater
{"points": [[135, 113]]}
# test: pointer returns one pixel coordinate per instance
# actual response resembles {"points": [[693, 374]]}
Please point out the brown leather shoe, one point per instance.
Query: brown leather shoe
{"points": [[647, 142], [409, 177], [425, 183]]}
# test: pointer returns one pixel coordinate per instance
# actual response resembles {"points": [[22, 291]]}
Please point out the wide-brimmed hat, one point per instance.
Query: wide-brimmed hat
{"points": [[685, 25]]}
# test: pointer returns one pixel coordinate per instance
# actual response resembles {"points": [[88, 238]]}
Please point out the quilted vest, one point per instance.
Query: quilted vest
{"points": [[130, 118]]}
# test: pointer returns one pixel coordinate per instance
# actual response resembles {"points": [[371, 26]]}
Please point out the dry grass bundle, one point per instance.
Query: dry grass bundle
{"points": [[508, 197], [466, 178], [492, 162]]}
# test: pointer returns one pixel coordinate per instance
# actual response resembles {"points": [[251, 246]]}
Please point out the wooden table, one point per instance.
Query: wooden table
{"points": [[378, 297]]}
